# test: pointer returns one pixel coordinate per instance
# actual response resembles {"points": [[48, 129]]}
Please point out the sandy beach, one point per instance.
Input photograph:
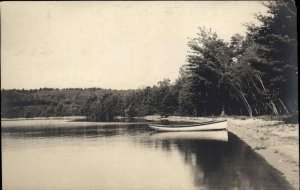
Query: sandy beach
{"points": [[275, 141]]}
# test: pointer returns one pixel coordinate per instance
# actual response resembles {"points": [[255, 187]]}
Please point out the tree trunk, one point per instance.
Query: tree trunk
{"points": [[261, 82], [275, 111], [273, 106], [286, 110], [248, 107], [223, 110], [255, 110], [195, 112]]}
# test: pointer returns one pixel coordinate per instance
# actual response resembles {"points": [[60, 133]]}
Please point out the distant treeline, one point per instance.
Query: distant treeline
{"points": [[95, 103], [256, 74], [102, 104]]}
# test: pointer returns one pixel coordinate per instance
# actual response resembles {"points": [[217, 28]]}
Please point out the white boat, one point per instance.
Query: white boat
{"points": [[205, 126], [220, 135]]}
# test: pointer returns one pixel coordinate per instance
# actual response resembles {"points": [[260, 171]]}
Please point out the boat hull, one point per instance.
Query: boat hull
{"points": [[201, 127]]}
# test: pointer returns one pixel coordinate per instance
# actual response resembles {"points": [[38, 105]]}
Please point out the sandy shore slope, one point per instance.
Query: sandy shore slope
{"points": [[277, 142]]}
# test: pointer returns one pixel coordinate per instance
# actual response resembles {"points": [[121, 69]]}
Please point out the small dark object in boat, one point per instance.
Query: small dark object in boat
{"points": [[165, 121]]}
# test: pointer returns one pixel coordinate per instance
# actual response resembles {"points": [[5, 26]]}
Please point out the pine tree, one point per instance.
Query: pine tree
{"points": [[275, 57]]}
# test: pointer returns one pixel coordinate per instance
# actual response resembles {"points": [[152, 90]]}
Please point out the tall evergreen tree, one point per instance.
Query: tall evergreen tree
{"points": [[209, 81], [276, 55]]}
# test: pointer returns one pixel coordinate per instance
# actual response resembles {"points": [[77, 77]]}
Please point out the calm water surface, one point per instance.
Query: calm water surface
{"points": [[58, 154]]}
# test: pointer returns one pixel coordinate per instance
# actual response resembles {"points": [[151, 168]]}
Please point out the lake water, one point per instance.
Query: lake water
{"points": [[58, 154]]}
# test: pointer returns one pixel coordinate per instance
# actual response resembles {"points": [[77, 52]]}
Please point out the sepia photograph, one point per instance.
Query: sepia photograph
{"points": [[149, 95]]}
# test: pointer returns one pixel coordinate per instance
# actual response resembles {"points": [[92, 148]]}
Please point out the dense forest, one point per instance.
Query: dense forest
{"points": [[255, 74]]}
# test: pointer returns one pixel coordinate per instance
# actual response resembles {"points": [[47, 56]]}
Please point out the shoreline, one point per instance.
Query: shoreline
{"points": [[43, 118], [275, 141]]}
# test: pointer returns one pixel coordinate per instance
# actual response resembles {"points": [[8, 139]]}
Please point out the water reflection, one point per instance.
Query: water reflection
{"points": [[131, 156], [220, 164], [195, 135], [85, 131]]}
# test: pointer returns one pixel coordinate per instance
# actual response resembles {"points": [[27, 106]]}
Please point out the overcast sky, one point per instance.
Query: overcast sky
{"points": [[118, 45]]}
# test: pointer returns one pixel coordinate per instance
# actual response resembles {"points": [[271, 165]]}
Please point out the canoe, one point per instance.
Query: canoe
{"points": [[219, 135], [205, 126]]}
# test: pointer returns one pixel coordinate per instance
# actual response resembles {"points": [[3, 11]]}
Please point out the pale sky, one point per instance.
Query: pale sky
{"points": [[118, 45]]}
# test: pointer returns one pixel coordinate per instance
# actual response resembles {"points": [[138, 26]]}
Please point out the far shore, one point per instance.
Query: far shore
{"points": [[43, 118]]}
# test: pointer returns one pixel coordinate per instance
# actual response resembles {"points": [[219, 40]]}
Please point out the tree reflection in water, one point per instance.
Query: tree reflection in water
{"points": [[228, 164]]}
